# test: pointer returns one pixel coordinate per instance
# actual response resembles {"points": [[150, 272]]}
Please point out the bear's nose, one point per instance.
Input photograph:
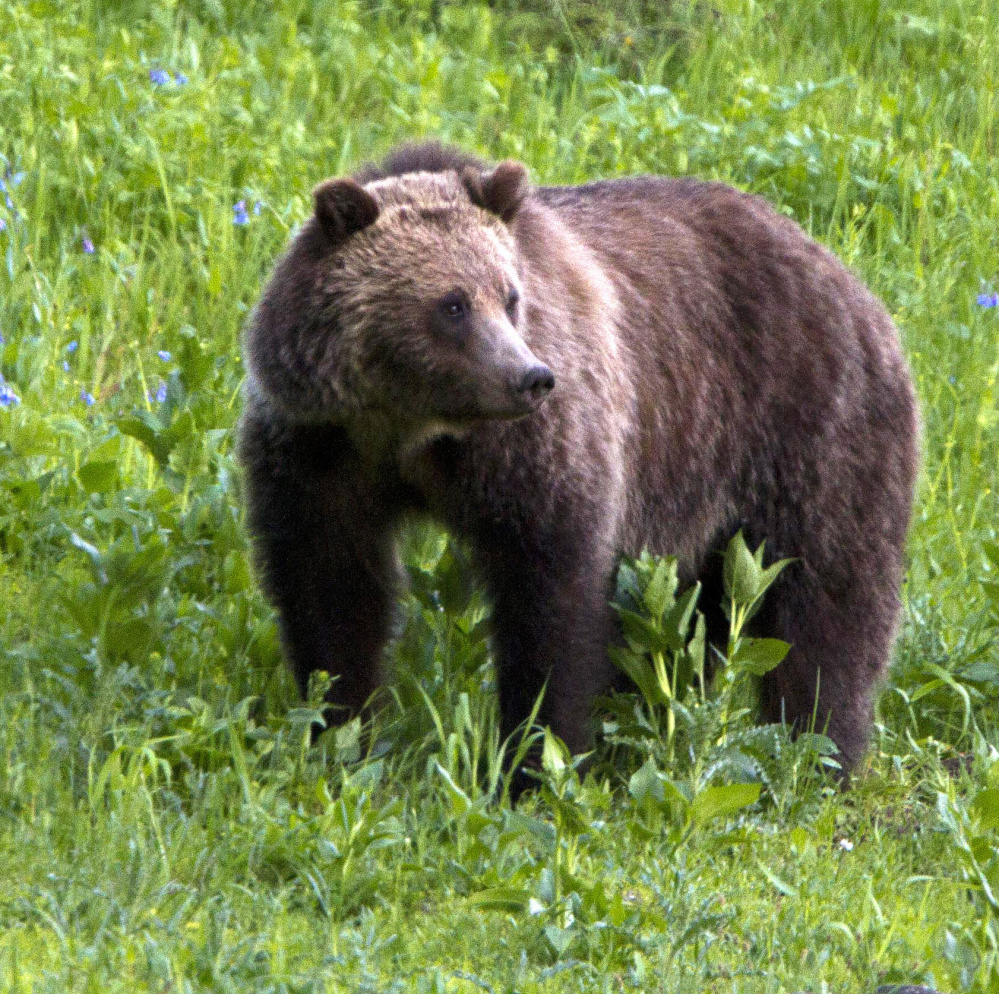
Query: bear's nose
{"points": [[538, 382]]}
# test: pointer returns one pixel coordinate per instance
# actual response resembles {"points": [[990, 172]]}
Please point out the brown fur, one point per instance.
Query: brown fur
{"points": [[715, 369]]}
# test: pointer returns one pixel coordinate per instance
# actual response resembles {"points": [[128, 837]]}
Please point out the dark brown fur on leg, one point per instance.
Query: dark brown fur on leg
{"points": [[322, 543], [552, 624], [840, 645]]}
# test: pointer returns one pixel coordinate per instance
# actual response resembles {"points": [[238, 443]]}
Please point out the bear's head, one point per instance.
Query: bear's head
{"points": [[403, 298]]}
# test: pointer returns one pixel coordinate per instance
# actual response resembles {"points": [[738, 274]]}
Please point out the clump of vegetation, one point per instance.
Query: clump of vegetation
{"points": [[165, 821]]}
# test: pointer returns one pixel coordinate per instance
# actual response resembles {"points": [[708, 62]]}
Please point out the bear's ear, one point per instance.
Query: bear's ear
{"points": [[501, 191], [344, 207]]}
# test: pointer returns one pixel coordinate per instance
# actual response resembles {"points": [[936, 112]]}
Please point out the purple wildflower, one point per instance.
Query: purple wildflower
{"points": [[240, 216], [3, 341], [87, 398], [73, 346], [88, 246], [9, 203], [3, 224], [7, 396], [164, 355], [180, 79], [258, 206], [161, 392], [160, 77], [988, 300], [65, 366]]}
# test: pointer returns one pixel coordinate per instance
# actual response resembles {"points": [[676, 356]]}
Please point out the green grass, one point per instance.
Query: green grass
{"points": [[163, 825]]}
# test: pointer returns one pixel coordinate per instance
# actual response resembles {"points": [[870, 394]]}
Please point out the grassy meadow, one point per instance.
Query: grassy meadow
{"points": [[164, 824]]}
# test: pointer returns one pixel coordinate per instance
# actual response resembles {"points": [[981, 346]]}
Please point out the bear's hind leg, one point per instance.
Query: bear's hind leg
{"points": [[840, 647]]}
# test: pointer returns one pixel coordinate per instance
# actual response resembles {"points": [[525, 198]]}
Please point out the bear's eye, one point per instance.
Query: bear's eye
{"points": [[512, 300], [454, 306]]}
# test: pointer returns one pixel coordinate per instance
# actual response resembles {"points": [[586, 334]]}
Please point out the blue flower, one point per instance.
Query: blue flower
{"points": [[164, 355], [73, 346], [87, 398], [7, 396], [9, 203], [65, 366], [161, 392], [180, 79], [240, 216], [258, 206], [3, 224], [88, 246], [988, 300], [160, 77]]}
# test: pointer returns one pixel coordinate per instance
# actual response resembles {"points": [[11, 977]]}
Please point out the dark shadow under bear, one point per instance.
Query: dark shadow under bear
{"points": [[713, 369]]}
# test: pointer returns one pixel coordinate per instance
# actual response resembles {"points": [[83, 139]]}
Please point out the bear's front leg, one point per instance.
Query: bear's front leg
{"points": [[552, 625], [322, 536]]}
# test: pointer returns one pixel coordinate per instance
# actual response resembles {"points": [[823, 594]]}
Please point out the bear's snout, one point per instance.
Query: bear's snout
{"points": [[537, 383], [511, 380]]}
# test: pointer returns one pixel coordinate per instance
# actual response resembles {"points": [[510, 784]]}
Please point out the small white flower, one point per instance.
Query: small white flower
{"points": [[846, 845], [534, 906]]}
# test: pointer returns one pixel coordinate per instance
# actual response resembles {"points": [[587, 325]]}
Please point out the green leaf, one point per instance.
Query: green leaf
{"points": [[513, 899], [781, 886], [771, 573], [660, 592], [638, 670], [146, 427], [642, 635], [521, 824], [698, 645], [815, 742], [366, 776], [652, 789], [646, 784], [627, 584], [759, 656], [985, 807], [560, 938], [554, 754], [460, 802], [741, 573], [718, 802], [568, 816], [676, 624], [98, 477]]}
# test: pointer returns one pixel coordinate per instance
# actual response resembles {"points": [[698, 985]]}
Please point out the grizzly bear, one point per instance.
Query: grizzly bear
{"points": [[563, 375]]}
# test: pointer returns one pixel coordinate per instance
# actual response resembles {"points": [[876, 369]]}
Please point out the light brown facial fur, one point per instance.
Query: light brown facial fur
{"points": [[430, 251], [417, 313]]}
